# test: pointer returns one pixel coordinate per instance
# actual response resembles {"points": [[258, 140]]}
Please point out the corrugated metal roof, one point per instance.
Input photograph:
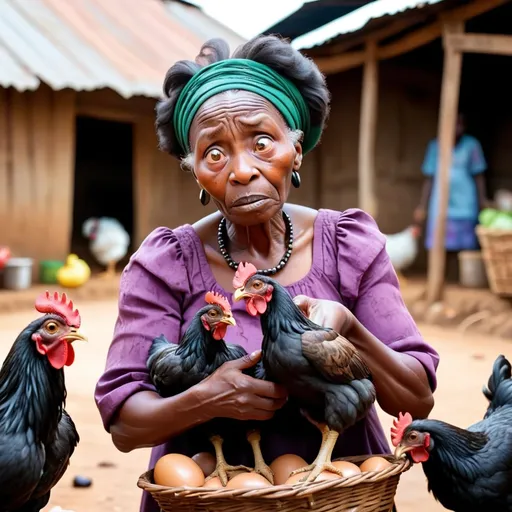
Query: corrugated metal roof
{"points": [[124, 45], [356, 20]]}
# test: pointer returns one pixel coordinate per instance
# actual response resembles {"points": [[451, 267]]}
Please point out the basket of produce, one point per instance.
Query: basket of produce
{"points": [[495, 237], [368, 484]]}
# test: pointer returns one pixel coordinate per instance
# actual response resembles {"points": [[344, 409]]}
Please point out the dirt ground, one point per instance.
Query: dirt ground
{"points": [[465, 366]]}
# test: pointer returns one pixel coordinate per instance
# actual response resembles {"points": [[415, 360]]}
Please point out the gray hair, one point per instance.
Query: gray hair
{"points": [[187, 163]]}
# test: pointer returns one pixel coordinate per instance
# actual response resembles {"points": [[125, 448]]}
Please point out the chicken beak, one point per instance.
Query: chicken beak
{"points": [[74, 335], [239, 294], [401, 450], [230, 320]]}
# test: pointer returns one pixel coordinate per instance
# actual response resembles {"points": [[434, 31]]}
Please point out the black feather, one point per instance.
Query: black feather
{"points": [[37, 437]]}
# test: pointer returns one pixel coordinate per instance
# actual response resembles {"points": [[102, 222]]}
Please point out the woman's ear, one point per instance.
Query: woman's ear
{"points": [[297, 161]]}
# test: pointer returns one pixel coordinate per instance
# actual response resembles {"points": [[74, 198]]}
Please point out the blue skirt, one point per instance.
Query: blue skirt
{"points": [[460, 235]]}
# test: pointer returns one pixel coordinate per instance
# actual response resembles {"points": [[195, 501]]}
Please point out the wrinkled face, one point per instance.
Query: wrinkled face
{"points": [[243, 156], [216, 320], [417, 444], [257, 292], [53, 339]]}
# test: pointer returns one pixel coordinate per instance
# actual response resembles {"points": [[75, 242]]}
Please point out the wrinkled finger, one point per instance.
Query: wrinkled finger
{"points": [[268, 389], [267, 404]]}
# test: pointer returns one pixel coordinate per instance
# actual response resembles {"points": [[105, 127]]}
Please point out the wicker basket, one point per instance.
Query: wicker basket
{"points": [[367, 492], [497, 254]]}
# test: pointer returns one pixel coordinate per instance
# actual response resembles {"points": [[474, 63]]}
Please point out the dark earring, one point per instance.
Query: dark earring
{"points": [[204, 197], [295, 179]]}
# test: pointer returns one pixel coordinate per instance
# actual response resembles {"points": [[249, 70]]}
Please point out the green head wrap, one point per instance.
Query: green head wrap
{"points": [[246, 75]]}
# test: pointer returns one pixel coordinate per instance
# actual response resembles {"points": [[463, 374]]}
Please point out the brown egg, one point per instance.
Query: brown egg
{"points": [[327, 475], [347, 468], [176, 470], [374, 464], [248, 481], [295, 479], [284, 465], [206, 461], [213, 483]]}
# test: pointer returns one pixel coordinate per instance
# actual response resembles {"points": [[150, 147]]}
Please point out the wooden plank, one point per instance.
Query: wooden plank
{"points": [[480, 43], [472, 10], [60, 216], [446, 136], [5, 203], [112, 114], [22, 193], [144, 147], [368, 132], [42, 172], [339, 63]]}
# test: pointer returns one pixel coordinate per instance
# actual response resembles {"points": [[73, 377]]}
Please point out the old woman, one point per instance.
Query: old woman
{"points": [[242, 125]]}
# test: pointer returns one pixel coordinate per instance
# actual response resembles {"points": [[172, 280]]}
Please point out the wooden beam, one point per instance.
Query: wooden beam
{"points": [[480, 43], [446, 139], [407, 43], [110, 114], [368, 131]]}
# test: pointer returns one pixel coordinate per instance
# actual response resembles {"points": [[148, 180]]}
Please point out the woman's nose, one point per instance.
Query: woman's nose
{"points": [[243, 170]]}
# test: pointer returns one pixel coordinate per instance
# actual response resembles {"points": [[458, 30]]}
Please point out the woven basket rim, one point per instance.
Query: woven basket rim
{"points": [[297, 490], [492, 231]]}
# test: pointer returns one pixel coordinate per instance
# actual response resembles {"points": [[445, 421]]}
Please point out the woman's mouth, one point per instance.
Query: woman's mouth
{"points": [[249, 200]]}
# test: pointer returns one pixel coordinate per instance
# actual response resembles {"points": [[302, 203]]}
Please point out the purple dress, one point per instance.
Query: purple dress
{"points": [[164, 285]]}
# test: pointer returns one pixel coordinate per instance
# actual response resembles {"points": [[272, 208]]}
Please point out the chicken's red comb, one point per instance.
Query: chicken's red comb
{"points": [[47, 303], [243, 273], [399, 426], [220, 300]]}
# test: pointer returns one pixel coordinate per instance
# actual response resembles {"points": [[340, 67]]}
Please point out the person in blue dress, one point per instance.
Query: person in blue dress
{"points": [[467, 191]]}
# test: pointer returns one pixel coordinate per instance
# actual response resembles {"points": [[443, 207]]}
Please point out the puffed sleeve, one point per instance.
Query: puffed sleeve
{"points": [[370, 285], [150, 300]]}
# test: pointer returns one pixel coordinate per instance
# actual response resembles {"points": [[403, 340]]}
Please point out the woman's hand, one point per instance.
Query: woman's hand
{"points": [[228, 393], [326, 313]]}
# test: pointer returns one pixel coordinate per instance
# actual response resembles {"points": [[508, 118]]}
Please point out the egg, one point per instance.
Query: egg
{"points": [[347, 468], [248, 481], [206, 461], [176, 470], [295, 479], [284, 465], [327, 475], [213, 483], [374, 464]]}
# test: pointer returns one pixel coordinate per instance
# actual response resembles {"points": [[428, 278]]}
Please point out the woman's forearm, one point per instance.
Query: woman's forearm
{"points": [[147, 420], [425, 193], [400, 379]]}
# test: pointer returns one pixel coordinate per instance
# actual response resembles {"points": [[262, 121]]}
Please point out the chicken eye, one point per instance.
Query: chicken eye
{"points": [[214, 156], [212, 313], [263, 144], [257, 285], [413, 436], [51, 327]]}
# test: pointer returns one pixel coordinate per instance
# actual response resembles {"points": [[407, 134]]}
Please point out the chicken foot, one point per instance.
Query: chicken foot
{"points": [[222, 468], [260, 466], [323, 459]]}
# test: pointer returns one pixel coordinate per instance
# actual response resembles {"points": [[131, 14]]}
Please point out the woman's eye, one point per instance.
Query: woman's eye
{"points": [[214, 156], [263, 144]]}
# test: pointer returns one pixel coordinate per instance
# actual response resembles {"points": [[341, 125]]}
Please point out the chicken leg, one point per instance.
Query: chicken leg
{"points": [[110, 272], [223, 468], [260, 466], [323, 459]]}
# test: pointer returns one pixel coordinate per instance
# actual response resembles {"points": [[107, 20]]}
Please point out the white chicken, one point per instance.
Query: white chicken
{"points": [[109, 241], [402, 249]]}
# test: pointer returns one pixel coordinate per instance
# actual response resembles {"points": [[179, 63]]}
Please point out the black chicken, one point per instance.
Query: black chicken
{"points": [[37, 436], [202, 350], [467, 470], [322, 371]]}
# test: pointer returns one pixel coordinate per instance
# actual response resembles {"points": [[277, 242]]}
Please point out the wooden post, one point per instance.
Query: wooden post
{"points": [[446, 140], [367, 131]]}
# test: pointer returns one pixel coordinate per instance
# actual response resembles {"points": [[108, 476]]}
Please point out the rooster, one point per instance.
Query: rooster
{"points": [[202, 350], [467, 470], [109, 241], [321, 370], [402, 249], [37, 436]]}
